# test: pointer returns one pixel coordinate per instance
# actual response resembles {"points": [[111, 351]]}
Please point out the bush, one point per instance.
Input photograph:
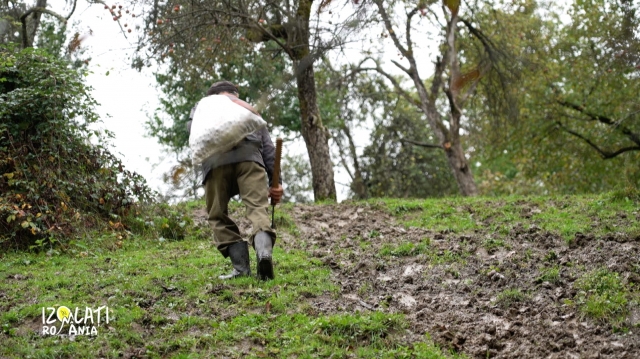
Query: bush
{"points": [[163, 221], [53, 181]]}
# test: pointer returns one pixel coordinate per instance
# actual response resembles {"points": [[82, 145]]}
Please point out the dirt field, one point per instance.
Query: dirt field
{"points": [[512, 297]]}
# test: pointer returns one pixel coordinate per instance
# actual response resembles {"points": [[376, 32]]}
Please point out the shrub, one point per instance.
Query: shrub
{"points": [[53, 180]]}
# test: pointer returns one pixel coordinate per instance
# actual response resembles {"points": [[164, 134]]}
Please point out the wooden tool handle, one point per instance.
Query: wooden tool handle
{"points": [[276, 166]]}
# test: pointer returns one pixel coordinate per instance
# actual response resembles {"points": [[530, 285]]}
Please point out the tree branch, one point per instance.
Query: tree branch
{"points": [[23, 19], [421, 144], [389, 27], [604, 154], [393, 81], [398, 65], [603, 119], [73, 9], [410, 15], [343, 159]]}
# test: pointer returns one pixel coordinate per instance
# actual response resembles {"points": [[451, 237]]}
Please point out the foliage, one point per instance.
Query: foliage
{"points": [[388, 166], [54, 181], [253, 70], [575, 125], [395, 168], [296, 179]]}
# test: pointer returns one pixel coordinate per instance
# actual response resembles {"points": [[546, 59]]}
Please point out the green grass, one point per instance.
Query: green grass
{"points": [[562, 215], [492, 244], [508, 297], [166, 301], [603, 296], [551, 275]]}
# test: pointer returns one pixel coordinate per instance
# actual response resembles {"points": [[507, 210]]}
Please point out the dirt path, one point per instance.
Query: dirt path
{"points": [[478, 299]]}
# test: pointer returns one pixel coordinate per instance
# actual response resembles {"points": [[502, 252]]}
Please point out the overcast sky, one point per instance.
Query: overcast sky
{"points": [[125, 95]]}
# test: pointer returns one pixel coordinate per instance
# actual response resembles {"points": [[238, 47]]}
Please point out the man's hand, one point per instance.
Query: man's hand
{"points": [[276, 194]]}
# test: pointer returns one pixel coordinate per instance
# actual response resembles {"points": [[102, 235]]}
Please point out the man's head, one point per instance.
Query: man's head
{"points": [[222, 86]]}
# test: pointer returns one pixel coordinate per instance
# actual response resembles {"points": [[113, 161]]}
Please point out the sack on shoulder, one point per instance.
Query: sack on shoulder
{"points": [[218, 125]]}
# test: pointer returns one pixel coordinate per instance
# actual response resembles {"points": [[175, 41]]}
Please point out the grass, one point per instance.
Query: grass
{"points": [[166, 301], [404, 249], [551, 275], [492, 244], [603, 296], [562, 215], [508, 297]]}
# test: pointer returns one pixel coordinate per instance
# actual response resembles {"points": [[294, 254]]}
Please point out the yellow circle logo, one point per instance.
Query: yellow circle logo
{"points": [[63, 313]]}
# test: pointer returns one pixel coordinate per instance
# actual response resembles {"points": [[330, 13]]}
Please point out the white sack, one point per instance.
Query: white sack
{"points": [[218, 125]]}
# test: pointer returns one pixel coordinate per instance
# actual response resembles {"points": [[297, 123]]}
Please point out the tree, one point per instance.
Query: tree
{"points": [[602, 87], [390, 166], [54, 182], [188, 31], [575, 126], [19, 18], [457, 87]]}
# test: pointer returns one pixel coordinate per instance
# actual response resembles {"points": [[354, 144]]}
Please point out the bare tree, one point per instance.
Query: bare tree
{"points": [[447, 77]]}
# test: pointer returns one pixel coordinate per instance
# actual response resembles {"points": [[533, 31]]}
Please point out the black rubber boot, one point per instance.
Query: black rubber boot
{"points": [[264, 247], [239, 254]]}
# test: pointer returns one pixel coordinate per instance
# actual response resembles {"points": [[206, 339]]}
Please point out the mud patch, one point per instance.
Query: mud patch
{"points": [[470, 292]]}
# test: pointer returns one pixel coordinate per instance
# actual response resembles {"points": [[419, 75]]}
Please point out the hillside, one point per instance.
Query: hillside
{"points": [[482, 277]]}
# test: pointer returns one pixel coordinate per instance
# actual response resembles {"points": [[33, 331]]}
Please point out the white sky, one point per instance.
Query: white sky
{"points": [[125, 95]]}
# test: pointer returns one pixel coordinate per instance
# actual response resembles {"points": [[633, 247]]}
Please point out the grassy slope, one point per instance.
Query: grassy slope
{"points": [[167, 300]]}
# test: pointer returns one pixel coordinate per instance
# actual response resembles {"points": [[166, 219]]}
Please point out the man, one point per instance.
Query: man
{"points": [[242, 171]]}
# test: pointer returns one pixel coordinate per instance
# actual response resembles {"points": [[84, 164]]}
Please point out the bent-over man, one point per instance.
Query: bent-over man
{"points": [[243, 170]]}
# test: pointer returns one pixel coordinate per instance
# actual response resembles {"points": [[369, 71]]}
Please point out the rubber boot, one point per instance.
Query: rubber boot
{"points": [[239, 254], [264, 247]]}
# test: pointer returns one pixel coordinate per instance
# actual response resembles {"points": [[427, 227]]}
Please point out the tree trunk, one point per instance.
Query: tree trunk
{"points": [[450, 142], [33, 23], [358, 186], [461, 171], [314, 134]]}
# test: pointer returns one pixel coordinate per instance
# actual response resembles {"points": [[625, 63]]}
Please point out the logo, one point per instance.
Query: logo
{"points": [[63, 320]]}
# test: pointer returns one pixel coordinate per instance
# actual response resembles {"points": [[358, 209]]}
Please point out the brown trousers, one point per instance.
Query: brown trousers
{"points": [[248, 179]]}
